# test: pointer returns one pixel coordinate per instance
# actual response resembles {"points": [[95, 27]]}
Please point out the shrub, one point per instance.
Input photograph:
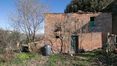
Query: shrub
{"points": [[20, 58], [8, 55], [24, 56]]}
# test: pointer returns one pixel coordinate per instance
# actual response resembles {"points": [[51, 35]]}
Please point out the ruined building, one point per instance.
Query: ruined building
{"points": [[91, 30]]}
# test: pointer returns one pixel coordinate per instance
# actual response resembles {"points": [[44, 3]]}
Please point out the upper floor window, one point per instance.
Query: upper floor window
{"points": [[92, 23]]}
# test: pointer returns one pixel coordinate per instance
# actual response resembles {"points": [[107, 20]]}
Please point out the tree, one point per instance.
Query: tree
{"points": [[3, 39], [87, 5], [9, 39], [29, 16]]}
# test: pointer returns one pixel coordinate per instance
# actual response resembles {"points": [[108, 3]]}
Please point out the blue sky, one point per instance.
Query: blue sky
{"points": [[7, 7]]}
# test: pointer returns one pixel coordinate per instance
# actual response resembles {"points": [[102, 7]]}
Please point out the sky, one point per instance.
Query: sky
{"points": [[7, 7]]}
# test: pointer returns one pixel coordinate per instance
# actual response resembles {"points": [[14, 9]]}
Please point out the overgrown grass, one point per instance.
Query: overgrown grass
{"points": [[21, 59], [55, 59], [86, 59], [83, 59], [93, 58]]}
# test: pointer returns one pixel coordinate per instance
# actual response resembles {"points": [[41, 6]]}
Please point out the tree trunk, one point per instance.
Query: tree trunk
{"points": [[61, 46]]}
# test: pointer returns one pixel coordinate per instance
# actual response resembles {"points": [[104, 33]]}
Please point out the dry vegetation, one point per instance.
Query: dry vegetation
{"points": [[94, 58]]}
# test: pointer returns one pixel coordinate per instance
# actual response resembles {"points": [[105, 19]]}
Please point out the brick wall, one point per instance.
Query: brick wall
{"points": [[90, 40], [103, 21], [87, 42]]}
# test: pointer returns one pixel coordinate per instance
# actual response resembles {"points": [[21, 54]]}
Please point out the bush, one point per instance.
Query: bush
{"points": [[24, 56], [8, 55], [21, 57]]}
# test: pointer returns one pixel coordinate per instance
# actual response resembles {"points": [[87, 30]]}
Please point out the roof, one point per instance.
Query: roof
{"points": [[78, 13]]}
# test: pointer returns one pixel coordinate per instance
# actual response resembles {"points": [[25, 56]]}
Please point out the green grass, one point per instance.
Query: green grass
{"points": [[84, 59], [81, 59], [53, 59], [24, 56], [21, 59]]}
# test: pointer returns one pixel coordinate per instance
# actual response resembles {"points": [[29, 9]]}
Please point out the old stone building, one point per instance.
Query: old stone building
{"points": [[91, 30]]}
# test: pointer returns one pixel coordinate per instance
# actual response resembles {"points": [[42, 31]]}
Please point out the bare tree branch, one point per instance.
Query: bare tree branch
{"points": [[29, 17]]}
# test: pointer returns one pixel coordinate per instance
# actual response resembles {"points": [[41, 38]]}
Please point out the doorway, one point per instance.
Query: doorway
{"points": [[74, 43]]}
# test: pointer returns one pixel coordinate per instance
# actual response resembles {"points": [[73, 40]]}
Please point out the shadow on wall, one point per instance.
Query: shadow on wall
{"points": [[99, 23]]}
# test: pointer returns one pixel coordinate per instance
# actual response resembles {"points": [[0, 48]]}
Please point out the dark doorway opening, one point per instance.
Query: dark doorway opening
{"points": [[25, 49], [74, 43]]}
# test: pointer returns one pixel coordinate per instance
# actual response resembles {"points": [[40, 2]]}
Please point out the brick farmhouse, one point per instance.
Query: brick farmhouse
{"points": [[91, 30]]}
